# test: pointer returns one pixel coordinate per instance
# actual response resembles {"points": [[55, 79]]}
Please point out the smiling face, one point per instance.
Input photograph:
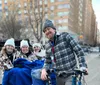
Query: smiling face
{"points": [[36, 49], [9, 48], [25, 49], [49, 32]]}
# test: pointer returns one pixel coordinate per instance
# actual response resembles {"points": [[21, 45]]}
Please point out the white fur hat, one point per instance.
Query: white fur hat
{"points": [[36, 44], [24, 43], [10, 42]]}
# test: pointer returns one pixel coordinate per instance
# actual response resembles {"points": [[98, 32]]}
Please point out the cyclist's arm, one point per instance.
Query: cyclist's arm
{"points": [[45, 67], [47, 61], [78, 51]]}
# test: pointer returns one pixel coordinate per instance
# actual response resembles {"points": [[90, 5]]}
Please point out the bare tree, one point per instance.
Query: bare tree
{"points": [[9, 24], [36, 16]]}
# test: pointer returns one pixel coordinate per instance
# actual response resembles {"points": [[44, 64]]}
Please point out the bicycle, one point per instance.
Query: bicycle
{"points": [[51, 80], [77, 76]]}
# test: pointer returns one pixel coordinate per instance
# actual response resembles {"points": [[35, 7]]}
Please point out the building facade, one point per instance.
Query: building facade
{"points": [[74, 16]]}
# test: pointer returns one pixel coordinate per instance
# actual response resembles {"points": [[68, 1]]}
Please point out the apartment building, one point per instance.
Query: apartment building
{"points": [[67, 15], [73, 16]]}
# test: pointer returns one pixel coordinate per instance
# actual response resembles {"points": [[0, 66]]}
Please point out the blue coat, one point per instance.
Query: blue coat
{"points": [[21, 73]]}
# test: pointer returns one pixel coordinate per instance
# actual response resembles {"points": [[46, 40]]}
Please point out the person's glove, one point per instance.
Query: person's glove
{"points": [[84, 69]]}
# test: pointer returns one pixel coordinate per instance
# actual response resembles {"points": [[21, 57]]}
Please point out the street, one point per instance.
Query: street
{"points": [[93, 61]]}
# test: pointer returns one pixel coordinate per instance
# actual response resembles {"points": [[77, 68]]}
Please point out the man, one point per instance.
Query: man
{"points": [[60, 51]]}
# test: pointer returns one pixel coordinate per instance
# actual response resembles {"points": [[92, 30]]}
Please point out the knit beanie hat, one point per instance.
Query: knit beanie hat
{"points": [[48, 23], [10, 42], [24, 43], [36, 44]]}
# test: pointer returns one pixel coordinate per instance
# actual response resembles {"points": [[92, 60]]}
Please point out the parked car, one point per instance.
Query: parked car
{"points": [[85, 48], [94, 49]]}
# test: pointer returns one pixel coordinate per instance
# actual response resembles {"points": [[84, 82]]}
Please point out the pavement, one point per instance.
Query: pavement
{"points": [[93, 61]]}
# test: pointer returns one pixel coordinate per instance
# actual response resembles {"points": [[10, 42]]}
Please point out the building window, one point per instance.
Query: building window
{"points": [[62, 21], [0, 7], [61, 0], [25, 11], [45, 2], [36, 10], [46, 9], [46, 16], [6, 7], [40, 10], [40, 2], [51, 1], [59, 21], [52, 15], [62, 6], [62, 13], [19, 12], [19, 5], [65, 27], [65, 20], [0, 2], [52, 8], [62, 28], [25, 4], [52, 21], [5, 1], [6, 13]]}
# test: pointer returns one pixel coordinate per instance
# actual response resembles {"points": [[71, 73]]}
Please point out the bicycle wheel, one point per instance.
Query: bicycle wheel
{"points": [[83, 81]]}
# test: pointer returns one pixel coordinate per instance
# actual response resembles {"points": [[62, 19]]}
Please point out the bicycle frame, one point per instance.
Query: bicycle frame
{"points": [[49, 81], [75, 81], [77, 78]]}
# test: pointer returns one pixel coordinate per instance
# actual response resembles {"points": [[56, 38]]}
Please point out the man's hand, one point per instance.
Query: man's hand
{"points": [[84, 69], [44, 74]]}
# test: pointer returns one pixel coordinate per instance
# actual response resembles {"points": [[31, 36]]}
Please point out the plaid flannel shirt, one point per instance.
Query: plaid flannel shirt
{"points": [[63, 52]]}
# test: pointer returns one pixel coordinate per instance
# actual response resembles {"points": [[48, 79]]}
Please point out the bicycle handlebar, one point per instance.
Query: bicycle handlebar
{"points": [[74, 72]]}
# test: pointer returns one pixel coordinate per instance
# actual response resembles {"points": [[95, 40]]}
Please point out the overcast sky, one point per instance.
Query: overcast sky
{"points": [[96, 7]]}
